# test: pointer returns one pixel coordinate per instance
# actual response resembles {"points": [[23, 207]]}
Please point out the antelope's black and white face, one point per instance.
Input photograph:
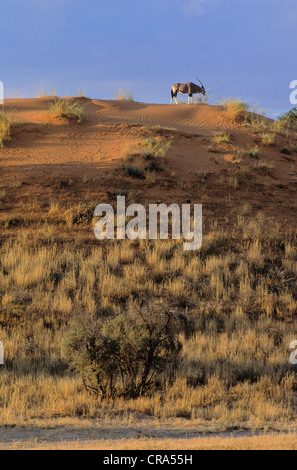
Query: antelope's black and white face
{"points": [[203, 91]]}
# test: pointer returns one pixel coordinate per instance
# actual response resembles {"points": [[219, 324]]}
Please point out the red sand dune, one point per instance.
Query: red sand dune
{"points": [[44, 148]]}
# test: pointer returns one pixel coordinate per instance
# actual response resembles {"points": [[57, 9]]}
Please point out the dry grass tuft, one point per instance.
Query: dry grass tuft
{"points": [[69, 109], [235, 110], [222, 138], [5, 128], [156, 148], [124, 95], [268, 139]]}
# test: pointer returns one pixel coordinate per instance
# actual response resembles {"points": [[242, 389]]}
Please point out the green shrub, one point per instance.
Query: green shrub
{"points": [[290, 117]]}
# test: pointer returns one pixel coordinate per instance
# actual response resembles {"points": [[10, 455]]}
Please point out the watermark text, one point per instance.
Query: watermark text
{"points": [[182, 224]]}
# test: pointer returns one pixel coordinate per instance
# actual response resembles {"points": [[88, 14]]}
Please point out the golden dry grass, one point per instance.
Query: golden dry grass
{"points": [[124, 95], [222, 138], [235, 110], [268, 139], [233, 369]]}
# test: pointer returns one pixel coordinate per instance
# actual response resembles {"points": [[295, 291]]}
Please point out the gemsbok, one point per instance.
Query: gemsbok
{"points": [[187, 88]]}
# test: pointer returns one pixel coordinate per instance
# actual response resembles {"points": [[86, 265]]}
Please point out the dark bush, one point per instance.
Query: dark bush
{"points": [[125, 355], [286, 151], [134, 172]]}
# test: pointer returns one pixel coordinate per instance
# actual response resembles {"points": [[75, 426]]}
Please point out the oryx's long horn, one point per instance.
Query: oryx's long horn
{"points": [[199, 80]]}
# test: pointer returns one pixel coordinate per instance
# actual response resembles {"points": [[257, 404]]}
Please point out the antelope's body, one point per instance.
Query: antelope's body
{"points": [[188, 88]]}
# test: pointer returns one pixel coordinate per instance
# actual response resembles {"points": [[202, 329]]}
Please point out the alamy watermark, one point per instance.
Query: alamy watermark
{"points": [[293, 95], [181, 222]]}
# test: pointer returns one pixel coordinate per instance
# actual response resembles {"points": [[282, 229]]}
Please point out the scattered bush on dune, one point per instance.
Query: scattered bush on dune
{"points": [[289, 117], [135, 172], [286, 151], [235, 110], [257, 120], [157, 148], [69, 109], [253, 152], [286, 123], [223, 138], [281, 127], [268, 139]]}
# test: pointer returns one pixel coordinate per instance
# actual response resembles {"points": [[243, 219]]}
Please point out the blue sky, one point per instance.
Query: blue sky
{"points": [[239, 48]]}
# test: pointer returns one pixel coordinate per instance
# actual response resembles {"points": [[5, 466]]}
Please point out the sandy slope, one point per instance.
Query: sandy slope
{"points": [[44, 150], [41, 140]]}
